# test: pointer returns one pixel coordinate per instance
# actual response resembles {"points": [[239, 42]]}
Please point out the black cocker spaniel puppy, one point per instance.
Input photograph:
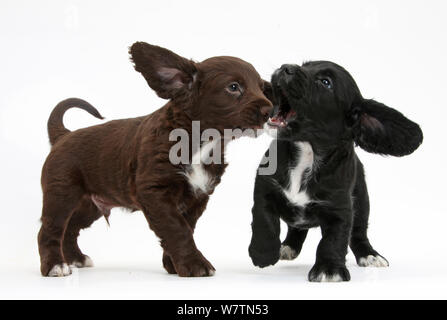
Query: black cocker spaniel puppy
{"points": [[319, 116]]}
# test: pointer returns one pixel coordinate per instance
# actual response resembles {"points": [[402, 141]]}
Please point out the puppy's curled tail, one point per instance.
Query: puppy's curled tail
{"points": [[55, 124]]}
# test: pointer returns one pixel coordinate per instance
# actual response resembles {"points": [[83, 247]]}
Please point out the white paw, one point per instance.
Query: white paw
{"points": [[323, 277], [88, 262], [373, 261], [60, 270], [287, 253]]}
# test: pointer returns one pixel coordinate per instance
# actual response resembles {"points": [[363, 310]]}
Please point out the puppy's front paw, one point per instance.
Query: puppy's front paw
{"points": [[327, 273], [287, 253], [59, 270], [263, 259], [194, 265], [372, 261], [167, 264]]}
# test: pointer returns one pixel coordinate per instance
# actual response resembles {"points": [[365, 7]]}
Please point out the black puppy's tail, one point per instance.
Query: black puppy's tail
{"points": [[55, 124]]}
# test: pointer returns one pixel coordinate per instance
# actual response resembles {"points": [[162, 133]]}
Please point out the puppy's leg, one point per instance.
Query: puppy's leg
{"points": [[82, 218], [332, 249], [364, 253], [265, 243], [167, 263], [58, 204], [292, 245], [191, 216], [176, 235]]}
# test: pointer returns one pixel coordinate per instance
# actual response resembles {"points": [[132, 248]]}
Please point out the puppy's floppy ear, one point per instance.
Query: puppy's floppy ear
{"points": [[380, 129], [165, 72]]}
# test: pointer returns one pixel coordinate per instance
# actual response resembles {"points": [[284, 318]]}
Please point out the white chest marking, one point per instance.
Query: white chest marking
{"points": [[197, 176], [305, 163]]}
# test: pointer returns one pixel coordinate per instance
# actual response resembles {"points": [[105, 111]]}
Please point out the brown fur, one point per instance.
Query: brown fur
{"points": [[124, 163]]}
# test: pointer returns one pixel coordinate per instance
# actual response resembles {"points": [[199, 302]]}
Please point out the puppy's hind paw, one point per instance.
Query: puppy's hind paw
{"points": [[86, 263], [59, 270], [373, 261], [194, 265], [287, 253], [322, 273]]}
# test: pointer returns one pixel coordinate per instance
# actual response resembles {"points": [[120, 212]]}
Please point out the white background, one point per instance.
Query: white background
{"points": [[51, 50]]}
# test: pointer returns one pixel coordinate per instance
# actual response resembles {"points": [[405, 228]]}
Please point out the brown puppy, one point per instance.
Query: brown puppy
{"points": [[125, 163]]}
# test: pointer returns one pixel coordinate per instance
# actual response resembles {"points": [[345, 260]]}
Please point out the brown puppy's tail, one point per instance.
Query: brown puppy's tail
{"points": [[55, 124]]}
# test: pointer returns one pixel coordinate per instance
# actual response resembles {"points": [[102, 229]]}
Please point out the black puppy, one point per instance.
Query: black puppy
{"points": [[319, 115]]}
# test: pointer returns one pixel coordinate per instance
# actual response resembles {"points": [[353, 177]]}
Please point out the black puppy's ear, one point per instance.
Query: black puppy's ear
{"points": [[165, 72], [381, 129], [268, 90]]}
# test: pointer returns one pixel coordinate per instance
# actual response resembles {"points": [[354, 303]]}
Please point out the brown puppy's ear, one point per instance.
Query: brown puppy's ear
{"points": [[165, 72], [381, 129]]}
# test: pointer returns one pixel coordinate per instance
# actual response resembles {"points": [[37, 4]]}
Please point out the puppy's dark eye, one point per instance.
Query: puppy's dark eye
{"points": [[326, 82], [234, 87]]}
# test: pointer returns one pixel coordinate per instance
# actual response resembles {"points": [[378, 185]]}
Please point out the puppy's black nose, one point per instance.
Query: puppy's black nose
{"points": [[289, 68]]}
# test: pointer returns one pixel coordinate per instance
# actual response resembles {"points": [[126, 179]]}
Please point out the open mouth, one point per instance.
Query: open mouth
{"points": [[283, 112]]}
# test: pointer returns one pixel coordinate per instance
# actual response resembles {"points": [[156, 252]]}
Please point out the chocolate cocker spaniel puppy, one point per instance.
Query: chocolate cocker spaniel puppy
{"points": [[126, 163]]}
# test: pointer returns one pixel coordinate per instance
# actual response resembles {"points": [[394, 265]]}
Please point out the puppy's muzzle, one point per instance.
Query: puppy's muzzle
{"points": [[289, 69], [265, 112], [285, 72]]}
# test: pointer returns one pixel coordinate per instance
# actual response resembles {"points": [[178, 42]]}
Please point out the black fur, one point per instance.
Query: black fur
{"points": [[320, 103]]}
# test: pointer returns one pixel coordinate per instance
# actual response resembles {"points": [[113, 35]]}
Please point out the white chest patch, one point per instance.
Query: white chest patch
{"points": [[197, 176], [304, 165]]}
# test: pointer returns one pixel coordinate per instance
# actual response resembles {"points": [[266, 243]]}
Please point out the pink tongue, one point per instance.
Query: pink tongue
{"points": [[278, 121]]}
